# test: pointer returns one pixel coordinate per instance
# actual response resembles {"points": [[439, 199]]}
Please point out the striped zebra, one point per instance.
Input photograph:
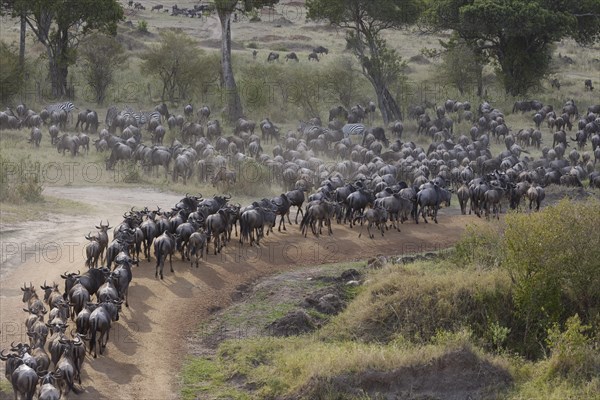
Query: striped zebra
{"points": [[353, 129], [141, 117], [67, 106]]}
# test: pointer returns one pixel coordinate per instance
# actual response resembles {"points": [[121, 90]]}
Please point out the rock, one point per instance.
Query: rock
{"points": [[294, 323], [330, 304], [350, 274]]}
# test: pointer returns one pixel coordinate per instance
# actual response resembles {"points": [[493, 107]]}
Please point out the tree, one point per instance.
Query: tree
{"points": [[177, 62], [517, 35], [11, 73], [101, 55], [59, 25], [234, 104], [455, 71], [366, 20]]}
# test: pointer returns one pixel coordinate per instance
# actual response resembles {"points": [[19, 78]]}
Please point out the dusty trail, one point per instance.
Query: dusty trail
{"points": [[147, 345]]}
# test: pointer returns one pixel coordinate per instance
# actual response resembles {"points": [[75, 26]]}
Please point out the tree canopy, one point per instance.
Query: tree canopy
{"points": [[517, 34], [365, 20], [59, 25]]}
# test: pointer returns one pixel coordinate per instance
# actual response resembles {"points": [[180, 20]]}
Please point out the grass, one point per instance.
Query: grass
{"points": [[14, 213], [408, 318]]}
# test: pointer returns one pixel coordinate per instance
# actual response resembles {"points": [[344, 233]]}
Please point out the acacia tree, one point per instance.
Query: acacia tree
{"points": [[234, 104], [101, 55], [365, 21], [518, 35], [59, 25]]}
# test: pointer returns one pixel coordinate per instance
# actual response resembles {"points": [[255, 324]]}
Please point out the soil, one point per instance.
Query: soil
{"points": [[148, 344]]}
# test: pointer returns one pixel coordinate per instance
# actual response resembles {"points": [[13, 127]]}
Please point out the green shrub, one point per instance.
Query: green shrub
{"points": [[572, 352], [142, 26], [252, 45], [552, 259], [20, 181], [480, 245], [11, 73]]}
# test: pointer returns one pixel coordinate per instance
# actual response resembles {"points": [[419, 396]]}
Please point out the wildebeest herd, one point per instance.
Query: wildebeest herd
{"points": [[378, 181]]}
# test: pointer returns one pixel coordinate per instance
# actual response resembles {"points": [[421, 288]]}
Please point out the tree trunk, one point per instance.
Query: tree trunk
{"points": [[59, 65], [387, 105], [22, 41], [234, 103]]}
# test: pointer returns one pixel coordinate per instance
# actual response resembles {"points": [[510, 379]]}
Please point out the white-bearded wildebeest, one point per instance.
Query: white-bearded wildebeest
{"points": [[100, 321], [35, 137], [31, 298], [164, 245], [296, 198], [48, 386], [92, 251], [184, 231], [22, 377], [252, 223], [121, 278], [377, 216], [38, 352], [431, 197], [217, 225], [197, 244], [82, 321], [68, 366], [535, 194], [52, 294], [108, 291], [317, 211], [119, 152], [358, 201]]}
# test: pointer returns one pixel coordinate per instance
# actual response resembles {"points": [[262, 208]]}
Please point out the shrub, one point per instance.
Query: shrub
{"points": [[20, 181], [102, 55], [552, 259], [572, 353], [252, 45], [480, 245], [11, 73], [142, 26]]}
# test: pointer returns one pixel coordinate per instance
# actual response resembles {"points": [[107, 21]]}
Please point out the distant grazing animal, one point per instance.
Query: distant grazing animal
{"points": [[292, 56], [313, 56], [321, 50], [272, 57], [588, 84]]}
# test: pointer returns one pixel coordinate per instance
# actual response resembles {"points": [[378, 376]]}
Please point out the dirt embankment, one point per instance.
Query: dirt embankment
{"points": [[147, 345]]}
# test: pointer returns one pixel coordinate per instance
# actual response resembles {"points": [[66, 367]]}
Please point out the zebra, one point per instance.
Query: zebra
{"points": [[353, 129], [67, 107]]}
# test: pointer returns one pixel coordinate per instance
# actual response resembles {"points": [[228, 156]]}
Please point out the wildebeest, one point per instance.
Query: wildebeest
{"points": [[313, 56], [31, 298], [22, 377], [374, 216], [272, 56], [119, 152], [431, 196], [197, 244], [291, 56], [100, 321], [223, 176], [216, 229], [321, 50], [164, 245], [588, 85], [68, 142], [35, 137]]}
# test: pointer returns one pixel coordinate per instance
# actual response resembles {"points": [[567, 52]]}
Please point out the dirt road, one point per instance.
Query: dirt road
{"points": [[147, 346]]}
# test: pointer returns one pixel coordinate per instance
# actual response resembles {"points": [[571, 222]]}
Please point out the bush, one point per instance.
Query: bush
{"points": [[11, 73], [415, 304], [552, 259], [252, 45], [572, 353], [479, 245], [142, 26], [102, 55], [20, 181]]}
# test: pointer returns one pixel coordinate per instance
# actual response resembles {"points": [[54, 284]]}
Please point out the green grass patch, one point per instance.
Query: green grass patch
{"points": [[15, 213]]}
